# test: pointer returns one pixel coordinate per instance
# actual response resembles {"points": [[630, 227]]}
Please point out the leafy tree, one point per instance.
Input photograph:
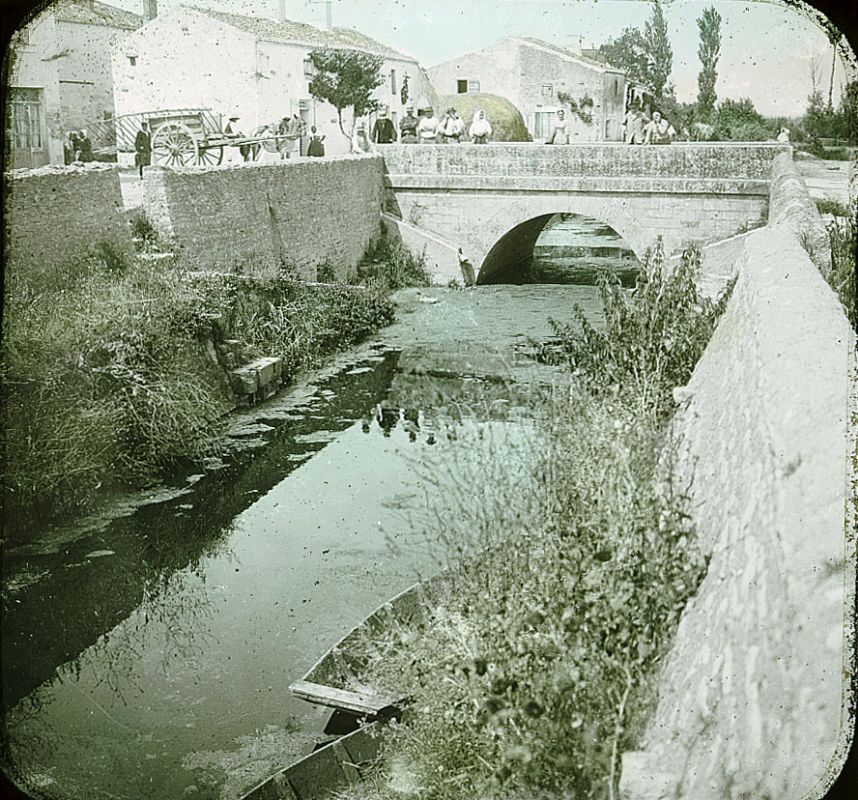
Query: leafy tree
{"points": [[818, 117], [709, 24], [629, 53], [659, 52], [346, 79], [739, 120], [849, 112]]}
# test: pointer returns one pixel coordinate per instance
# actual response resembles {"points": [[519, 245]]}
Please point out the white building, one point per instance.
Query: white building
{"points": [[532, 74], [250, 67], [60, 78]]}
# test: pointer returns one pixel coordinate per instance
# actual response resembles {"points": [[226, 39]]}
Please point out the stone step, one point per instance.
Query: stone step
{"points": [[257, 379]]}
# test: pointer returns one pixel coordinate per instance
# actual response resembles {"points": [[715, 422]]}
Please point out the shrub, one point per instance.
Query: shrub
{"points": [[653, 336], [143, 232], [841, 234], [828, 205], [389, 265]]}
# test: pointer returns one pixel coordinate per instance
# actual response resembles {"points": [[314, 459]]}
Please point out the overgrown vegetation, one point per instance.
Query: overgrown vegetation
{"points": [[535, 669], [841, 234], [389, 265], [108, 369], [828, 205]]}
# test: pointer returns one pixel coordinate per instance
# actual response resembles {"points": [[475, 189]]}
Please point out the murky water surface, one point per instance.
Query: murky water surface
{"points": [[150, 657]]}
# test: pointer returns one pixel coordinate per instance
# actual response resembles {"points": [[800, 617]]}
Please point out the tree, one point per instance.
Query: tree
{"points": [[346, 79], [834, 37], [658, 51], [849, 112], [629, 53], [709, 24]]}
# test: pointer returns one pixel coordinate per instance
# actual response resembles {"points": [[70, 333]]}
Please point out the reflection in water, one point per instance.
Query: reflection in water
{"points": [[161, 670]]}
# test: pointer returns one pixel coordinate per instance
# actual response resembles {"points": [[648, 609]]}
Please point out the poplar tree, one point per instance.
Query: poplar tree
{"points": [[709, 24], [658, 50]]}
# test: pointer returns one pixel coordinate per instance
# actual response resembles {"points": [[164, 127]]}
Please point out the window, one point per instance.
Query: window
{"points": [[542, 123], [132, 60], [25, 119], [309, 69], [461, 87], [547, 89], [473, 86], [393, 81]]}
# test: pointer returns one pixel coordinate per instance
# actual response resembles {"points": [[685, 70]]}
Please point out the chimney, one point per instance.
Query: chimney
{"points": [[150, 10]]}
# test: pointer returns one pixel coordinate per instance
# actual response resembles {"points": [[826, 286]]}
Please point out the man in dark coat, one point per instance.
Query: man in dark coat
{"points": [[143, 148], [383, 132]]}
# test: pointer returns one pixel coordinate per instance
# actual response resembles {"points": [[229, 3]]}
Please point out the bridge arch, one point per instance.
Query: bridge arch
{"points": [[512, 250]]}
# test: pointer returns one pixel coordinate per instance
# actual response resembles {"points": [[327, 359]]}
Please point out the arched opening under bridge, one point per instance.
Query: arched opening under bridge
{"points": [[559, 248]]}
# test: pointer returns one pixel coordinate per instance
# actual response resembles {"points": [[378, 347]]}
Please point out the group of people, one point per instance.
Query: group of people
{"points": [[77, 147], [425, 129], [638, 128]]}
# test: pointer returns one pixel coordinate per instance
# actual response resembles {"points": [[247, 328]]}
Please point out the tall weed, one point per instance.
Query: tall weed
{"points": [[389, 265], [841, 234]]}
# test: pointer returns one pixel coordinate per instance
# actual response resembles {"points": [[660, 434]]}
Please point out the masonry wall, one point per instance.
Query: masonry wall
{"points": [[755, 690], [297, 215], [56, 214]]}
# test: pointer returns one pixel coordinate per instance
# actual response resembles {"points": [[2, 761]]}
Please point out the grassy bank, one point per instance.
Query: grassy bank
{"points": [[114, 370], [538, 669]]}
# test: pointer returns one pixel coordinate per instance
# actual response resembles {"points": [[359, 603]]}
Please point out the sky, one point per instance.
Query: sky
{"points": [[768, 49]]}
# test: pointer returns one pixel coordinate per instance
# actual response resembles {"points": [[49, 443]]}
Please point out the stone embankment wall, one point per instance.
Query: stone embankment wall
{"points": [[56, 214], [755, 690], [297, 215]]}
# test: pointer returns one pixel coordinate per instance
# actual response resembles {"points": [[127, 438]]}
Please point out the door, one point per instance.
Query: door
{"points": [[26, 142]]}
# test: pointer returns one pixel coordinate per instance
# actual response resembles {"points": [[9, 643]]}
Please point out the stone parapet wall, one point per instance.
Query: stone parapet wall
{"points": [[755, 690], [56, 214], [730, 161], [792, 209], [297, 215]]}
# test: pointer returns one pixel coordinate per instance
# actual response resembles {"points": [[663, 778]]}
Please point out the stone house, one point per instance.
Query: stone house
{"points": [[60, 77], [533, 75], [252, 67]]}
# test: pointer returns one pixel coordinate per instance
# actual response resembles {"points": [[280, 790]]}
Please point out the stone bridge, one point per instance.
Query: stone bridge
{"points": [[494, 200]]}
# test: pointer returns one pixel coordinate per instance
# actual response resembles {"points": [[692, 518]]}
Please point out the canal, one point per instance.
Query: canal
{"points": [[148, 656]]}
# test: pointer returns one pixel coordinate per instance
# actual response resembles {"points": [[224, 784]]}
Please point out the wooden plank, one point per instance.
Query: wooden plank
{"points": [[356, 702]]}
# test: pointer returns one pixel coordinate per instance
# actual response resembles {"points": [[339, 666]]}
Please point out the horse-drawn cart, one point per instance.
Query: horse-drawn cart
{"points": [[183, 137]]}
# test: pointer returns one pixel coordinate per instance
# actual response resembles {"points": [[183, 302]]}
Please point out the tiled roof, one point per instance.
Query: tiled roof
{"points": [[586, 60], [94, 13], [270, 30]]}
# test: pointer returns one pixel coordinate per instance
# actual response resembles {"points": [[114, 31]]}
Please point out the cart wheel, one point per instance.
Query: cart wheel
{"points": [[174, 145], [210, 156]]}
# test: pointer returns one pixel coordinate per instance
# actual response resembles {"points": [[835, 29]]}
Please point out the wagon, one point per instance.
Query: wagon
{"points": [[181, 137]]}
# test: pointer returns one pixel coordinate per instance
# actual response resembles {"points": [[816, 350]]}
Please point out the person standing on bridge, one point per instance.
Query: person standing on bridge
{"points": [[143, 148], [383, 131], [481, 129], [559, 130], [659, 130], [427, 129], [408, 127]]}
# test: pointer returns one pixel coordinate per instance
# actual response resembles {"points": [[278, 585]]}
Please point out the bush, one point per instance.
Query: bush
{"points": [[389, 265], [653, 336], [828, 205], [534, 667], [841, 234]]}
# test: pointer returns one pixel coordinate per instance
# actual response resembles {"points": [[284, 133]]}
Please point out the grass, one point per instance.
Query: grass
{"points": [[536, 668], [113, 376], [389, 265], [841, 234]]}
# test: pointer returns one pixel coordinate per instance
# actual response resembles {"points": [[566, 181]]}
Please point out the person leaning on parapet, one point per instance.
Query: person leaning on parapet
{"points": [[85, 146], [452, 128], [481, 130], [233, 132], [659, 130], [634, 124], [316, 148], [427, 129], [783, 136], [383, 131], [68, 147], [360, 142], [559, 129], [143, 148], [408, 127]]}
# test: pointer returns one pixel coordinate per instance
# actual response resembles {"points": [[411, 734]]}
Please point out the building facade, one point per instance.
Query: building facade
{"points": [[60, 77], [252, 68], [539, 79]]}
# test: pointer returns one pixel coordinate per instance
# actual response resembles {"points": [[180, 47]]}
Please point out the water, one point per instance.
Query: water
{"points": [[150, 657]]}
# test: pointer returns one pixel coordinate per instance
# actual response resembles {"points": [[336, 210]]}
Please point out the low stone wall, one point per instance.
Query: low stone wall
{"points": [[727, 161], [755, 690], [56, 214], [298, 215], [792, 209]]}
